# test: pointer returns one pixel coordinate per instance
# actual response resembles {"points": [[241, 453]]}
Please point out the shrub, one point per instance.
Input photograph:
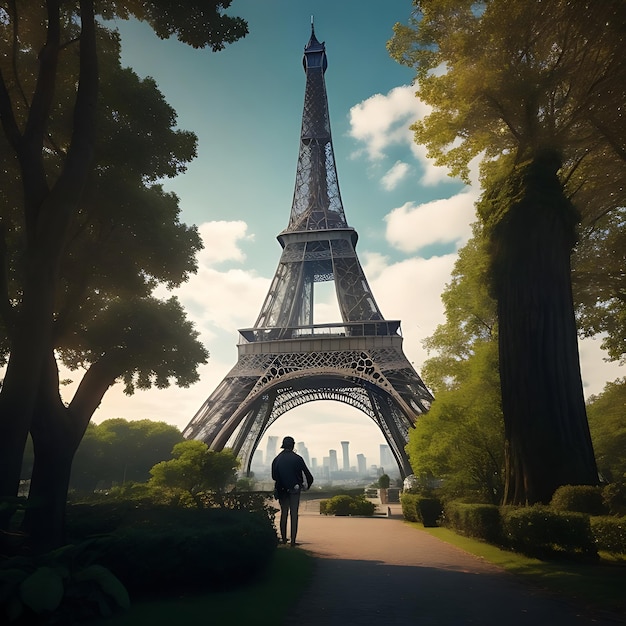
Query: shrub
{"points": [[420, 508], [609, 533], [347, 505], [429, 511], [339, 505], [161, 548], [540, 531], [481, 521], [361, 506], [579, 498], [614, 497], [61, 587], [409, 506]]}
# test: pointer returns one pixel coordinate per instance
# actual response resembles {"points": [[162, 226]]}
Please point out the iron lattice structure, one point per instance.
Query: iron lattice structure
{"points": [[286, 360]]}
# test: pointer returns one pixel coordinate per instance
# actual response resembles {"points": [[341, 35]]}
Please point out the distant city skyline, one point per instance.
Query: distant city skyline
{"points": [[339, 459]]}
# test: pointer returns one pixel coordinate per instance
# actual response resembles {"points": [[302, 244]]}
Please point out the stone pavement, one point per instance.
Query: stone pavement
{"points": [[381, 571]]}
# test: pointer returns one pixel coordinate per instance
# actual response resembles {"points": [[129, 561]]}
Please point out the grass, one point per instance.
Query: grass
{"points": [[598, 586], [263, 602]]}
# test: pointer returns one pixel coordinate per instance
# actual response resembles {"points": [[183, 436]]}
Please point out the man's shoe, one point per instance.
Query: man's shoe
{"points": [[294, 544], [283, 541]]}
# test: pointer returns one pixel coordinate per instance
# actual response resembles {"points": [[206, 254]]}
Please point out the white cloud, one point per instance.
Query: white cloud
{"points": [[383, 121], [595, 370], [221, 300], [411, 227], [410, 291], [221, 241], [391, 179]]}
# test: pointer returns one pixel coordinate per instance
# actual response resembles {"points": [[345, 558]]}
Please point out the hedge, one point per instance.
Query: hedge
{"points": [[610, 534], [153, 549], [579, 498], [540, 531], [481, 521], [347, 505], [418, 508]]}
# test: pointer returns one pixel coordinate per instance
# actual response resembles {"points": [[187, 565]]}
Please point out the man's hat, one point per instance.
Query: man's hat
{"points": [[288, 442]]}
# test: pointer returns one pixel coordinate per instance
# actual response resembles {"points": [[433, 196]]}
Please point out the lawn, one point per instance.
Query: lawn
{"points": [[598, 586]]}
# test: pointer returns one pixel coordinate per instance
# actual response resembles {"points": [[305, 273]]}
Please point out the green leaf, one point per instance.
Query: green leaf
{"points": [[108, 583], [43, 590]]}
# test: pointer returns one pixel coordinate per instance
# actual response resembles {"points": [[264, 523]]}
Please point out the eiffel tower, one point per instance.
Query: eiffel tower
{"points": [[286, 360]]}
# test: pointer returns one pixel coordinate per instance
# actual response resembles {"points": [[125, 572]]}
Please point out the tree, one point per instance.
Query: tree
{"points": [[607, 422], [195, 470], [119, 451], [599, 282], [86, 232], [535, 89], [459, 443]]}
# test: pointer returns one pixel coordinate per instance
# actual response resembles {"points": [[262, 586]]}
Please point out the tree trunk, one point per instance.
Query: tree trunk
{"points": [[547, 440], [21, 382], [57, 431], [44, 520]]}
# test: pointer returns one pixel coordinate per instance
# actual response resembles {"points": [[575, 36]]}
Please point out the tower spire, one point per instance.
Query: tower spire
{"points": [[316, 198]]}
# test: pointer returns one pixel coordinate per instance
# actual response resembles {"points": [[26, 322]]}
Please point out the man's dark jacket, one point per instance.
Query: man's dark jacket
{"points": [[289, 470]]}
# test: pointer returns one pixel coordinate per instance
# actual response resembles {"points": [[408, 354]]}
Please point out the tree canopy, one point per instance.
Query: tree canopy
{"points": [[459, 444], [536, 90], [194, 470], [86, 230], [119, 451], [607, 422]]}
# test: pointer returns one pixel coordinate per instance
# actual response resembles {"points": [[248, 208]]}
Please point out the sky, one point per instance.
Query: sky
{"points": [[245, 105]]}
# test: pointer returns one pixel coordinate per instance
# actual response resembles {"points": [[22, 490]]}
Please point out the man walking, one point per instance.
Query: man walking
{"points": [[292, 476]]}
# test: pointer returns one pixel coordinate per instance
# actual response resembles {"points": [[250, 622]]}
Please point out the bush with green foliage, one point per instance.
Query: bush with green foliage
{"points": [[60, 587], [384, 481], [420, 508], [347, 505], [540, 531], [156, 548], [409, 506], [614, 497], [481, 521], [610, 534], [580, 499]]}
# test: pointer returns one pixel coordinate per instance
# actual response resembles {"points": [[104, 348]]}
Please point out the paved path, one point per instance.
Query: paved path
{"points": [[383, 572]]}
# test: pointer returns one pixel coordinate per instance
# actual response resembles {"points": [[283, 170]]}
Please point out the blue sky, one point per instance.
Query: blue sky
{"points": [[245, 105]]}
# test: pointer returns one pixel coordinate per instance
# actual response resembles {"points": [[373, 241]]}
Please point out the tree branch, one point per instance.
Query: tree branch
{"points": [[95, 383]]}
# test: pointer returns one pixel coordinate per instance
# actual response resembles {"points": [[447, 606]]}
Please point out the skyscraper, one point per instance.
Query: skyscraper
{"points": [[346, 456], [303, 451], [361, 462], [270, 451], [386, 458], [334, 466]]}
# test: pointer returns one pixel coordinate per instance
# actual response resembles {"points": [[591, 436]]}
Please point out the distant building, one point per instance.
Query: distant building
{"points": [[386, 459], [303, 451], [346, 456], [270, 451], [361, 464], [333, 464]]}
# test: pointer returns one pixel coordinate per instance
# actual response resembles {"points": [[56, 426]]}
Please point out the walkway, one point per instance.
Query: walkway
{"points": [[380, 571]]}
